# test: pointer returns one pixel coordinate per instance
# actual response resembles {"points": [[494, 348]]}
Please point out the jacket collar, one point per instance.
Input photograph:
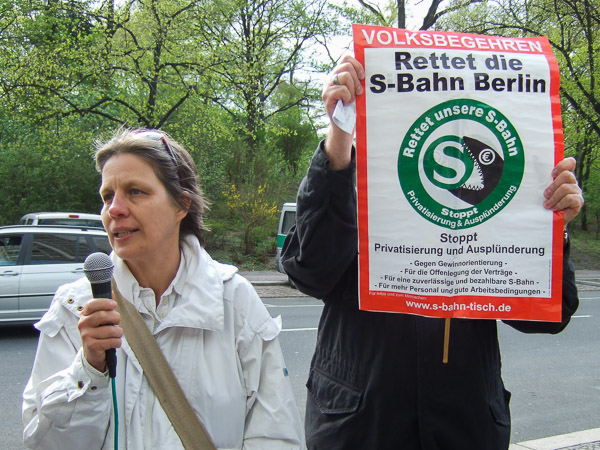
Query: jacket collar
{"points": [[198, 285]]}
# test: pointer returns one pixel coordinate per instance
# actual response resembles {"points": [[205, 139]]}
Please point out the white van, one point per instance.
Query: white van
{"points": [[286, 220], [62, 218]]}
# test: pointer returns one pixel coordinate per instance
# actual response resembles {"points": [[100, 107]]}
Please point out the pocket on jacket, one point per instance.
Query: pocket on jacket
{"points": [[331, 395], [499, 405]]}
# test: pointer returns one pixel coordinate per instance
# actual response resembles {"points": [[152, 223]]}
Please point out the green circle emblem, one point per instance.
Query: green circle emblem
{"points": [[461, 163]]}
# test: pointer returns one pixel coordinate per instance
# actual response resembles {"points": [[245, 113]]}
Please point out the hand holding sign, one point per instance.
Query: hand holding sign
{"points": [[564, 194], [344, 83]]}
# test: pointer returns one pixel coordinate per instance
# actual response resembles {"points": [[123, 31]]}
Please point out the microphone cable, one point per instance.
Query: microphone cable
{"points": [[116, 413]]}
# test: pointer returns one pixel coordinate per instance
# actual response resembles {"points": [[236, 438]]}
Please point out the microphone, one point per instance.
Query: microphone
{"points": [[98, 269]]}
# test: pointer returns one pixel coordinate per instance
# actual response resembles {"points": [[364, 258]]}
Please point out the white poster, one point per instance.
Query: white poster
{"points": [[457, 136]]}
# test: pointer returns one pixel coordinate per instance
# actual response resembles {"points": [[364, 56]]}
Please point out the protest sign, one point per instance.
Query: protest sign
{"points": [[457, 136]]}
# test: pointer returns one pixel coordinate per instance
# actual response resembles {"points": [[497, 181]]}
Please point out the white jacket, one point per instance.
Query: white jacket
{"points": [[219, 340]]}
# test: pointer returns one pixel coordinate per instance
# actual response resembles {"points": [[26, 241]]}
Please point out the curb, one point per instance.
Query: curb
{"points": [[588, 283], [269, 283], [580, 440]]}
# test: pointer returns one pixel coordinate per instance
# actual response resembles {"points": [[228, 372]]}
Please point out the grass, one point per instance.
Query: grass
{"points": [[585, 250]]}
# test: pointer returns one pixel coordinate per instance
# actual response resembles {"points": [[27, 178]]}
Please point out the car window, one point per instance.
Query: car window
{"points": [[59, 249], [10, 247], [289, 219], [72, 222], [94, 223], [102, 244]]}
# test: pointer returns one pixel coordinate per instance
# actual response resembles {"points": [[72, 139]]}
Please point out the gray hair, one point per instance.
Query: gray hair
{"points": [[173, 166]]}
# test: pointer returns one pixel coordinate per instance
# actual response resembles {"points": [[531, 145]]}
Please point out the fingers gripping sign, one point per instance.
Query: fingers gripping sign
{"points": [[564, 194], [343, 83], [340, 89]]}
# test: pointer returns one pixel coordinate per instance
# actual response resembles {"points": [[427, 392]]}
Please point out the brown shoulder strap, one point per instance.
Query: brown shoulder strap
{"points": [[161, 377]]}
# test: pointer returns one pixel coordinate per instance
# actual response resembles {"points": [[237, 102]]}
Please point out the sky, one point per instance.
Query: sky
{"points": [[415, 9]]}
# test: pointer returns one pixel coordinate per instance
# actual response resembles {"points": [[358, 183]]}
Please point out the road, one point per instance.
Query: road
{"points": [[555, 380]]}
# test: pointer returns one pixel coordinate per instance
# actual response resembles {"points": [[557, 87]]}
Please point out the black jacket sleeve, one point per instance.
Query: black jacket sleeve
{"points": [[323, 244], [570, 302]]}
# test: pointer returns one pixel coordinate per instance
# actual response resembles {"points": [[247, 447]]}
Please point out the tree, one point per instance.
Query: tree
{"points": [[262, 46], [133, 64], [396, 11], [593, 197], [42, 170], [211, 74]]}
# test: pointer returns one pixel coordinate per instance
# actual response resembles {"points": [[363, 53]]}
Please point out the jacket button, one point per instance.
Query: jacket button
{"points": [[70, 301], [93, 388], [80, 308], [80, 384]]}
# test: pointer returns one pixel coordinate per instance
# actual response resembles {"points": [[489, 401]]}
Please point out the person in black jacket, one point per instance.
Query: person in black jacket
{"points": [[377, 380]]}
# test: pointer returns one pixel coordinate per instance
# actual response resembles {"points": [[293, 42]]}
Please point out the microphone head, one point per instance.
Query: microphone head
{"points": [[98, 268]]}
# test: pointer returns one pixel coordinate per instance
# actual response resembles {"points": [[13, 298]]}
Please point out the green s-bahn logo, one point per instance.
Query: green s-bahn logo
{"points": [[461, 162]]}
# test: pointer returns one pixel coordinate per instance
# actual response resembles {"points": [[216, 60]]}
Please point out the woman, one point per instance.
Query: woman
{"points": [[208, 321]]}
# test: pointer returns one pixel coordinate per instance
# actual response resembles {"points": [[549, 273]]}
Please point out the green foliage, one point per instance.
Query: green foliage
{"points": [[261, 46], [228, 79], [592, 198], [253, 211], [45, 169], [372, 15], [289, 134], [585, 250]]}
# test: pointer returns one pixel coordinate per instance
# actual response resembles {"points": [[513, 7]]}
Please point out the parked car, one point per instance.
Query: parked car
{"points": [[62, 218], [286, 220], [36, 260]]}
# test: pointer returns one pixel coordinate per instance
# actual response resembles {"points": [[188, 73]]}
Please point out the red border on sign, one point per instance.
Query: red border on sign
{"points": [[483, 307]]}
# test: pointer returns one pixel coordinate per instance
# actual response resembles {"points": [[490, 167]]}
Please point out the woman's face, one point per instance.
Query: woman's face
{"points": [[141, 220]]}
